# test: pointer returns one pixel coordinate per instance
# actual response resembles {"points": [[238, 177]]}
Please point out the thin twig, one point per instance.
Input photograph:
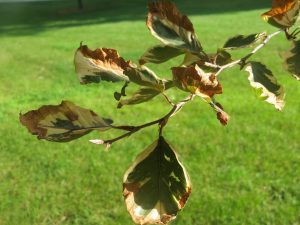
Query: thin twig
{"points": [[161, 122], [243, 60]]}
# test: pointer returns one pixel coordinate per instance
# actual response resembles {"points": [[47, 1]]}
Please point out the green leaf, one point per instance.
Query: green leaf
{"points": [[101, 64], [63, 123], [160, 54], [292, 60], [243, 41], [263, 79], [143, 76], [157, 186], [283, 14], [144, 94], [172, 28], [222, 58]]}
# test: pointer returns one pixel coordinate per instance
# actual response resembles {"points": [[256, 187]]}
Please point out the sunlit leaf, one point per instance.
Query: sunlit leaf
{"points": [[143, 76], [263, 79], [242, 41], [62, 123], [103, 64], [160, 54], [193, 79], [157, 186], [144, 94], [292, 60], [172, 28], [283, 14]]}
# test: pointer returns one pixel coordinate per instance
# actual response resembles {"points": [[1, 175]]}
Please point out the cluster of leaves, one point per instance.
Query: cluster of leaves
{"points": [[156, 187]]}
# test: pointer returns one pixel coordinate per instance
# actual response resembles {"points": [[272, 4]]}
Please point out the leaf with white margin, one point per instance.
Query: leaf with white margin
{"points": [[157, 186], [243, 41], [64, 122], [102, 64], [172, 28], [263, 79]]}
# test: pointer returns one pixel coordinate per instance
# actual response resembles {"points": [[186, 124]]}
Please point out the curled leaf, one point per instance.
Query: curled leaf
{"points": [[283, 14], [157, 186], [172, 28], [101, 64], [222, 116], [292, 60], [160, 54], [196, 81], [64, 122], [263, 79], [243, 41]]}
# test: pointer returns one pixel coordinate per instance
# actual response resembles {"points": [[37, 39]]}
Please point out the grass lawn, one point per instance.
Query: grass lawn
{"points": [[247, 173]]}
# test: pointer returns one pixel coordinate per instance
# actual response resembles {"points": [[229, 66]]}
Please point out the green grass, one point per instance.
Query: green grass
{"points": [[247, 173]]}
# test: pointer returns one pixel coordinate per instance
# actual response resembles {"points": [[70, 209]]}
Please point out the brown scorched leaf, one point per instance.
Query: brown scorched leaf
{"points": [[196, 81], [101, 64], [172, 28], [292, 60], [157, 186], [262, 78], [222, 116], [62, 123], [283, 14], [160, 54]]}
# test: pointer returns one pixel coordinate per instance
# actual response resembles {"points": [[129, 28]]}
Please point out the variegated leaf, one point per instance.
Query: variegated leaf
{"points": [[101, 64], [283, 14], [263, 79], [143, 76], [292, 60], [157, 186], [62, 123], [193, 79], [160, 54], [222, 58], [144, 94], [172, 28], [243, 41]]}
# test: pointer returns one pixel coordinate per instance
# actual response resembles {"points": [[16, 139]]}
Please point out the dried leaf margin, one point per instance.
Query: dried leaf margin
{"points": [[100, 64], [172, 28], [63, 123], [156, 187]]}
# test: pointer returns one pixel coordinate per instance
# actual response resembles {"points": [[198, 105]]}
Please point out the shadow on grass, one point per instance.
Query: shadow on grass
{"points": [[34, 17]]}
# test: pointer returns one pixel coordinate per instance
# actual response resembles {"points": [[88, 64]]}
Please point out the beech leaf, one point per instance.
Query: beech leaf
{"points": [[143, 76], [101, 64], [263, 79], [160, 54], [63, 123], [172, 28], [144, 94], [283, 14], [193, 79], [157, 186], [243, 41], [292, 60]]}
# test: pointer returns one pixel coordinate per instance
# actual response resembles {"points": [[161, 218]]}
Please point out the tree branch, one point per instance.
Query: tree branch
{"points": [[161, 122], [242, 61]]}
